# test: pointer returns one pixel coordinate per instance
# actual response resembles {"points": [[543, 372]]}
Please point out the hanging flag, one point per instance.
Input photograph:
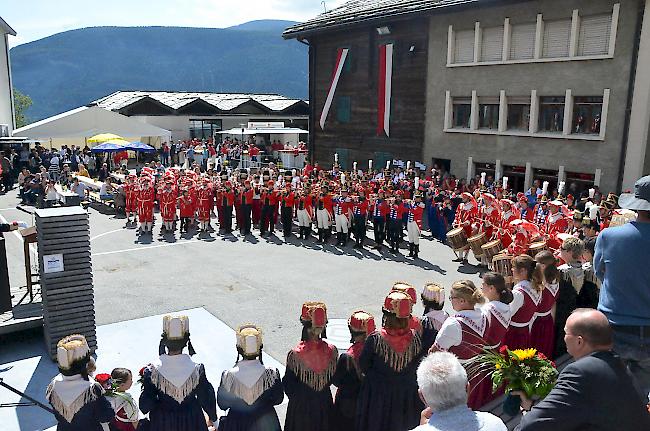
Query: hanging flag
{"points": [[341, 55], [384, 88]]}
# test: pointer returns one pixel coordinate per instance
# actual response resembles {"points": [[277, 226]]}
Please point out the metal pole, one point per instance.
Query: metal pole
{"points": [[22, 394]]}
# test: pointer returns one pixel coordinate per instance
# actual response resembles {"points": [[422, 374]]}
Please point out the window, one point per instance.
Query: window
{"points": [[492, 44], [464, 46], [518, 113], [551, 114], [343, 109], [462, 111], [556, 38], [594, 35], [587, 112], [204, 129], [488, 113], [522, 41]]}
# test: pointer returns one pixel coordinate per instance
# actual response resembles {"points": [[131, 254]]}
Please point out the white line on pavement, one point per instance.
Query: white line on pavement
{"points": [[149, 247], [106, 233], [7, 209]]}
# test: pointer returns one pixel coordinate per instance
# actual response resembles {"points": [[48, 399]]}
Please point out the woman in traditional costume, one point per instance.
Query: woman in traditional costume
{"points": [[78, 401], [348, 376], [401, 286], [542, 333], [463, 334], [389, 399], [175, 390], [433, 300], [249, 390], [527, 294], [310, 369]]}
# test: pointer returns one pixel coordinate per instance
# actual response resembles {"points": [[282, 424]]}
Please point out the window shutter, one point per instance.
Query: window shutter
{"points": [[522, 43], [464, 46], [594, 34], [492, 44], [556, 38]]}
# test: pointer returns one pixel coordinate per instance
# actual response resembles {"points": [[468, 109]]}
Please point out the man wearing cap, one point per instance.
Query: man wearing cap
{"points": [[342, 205], [269, 198], [575, 227], [286, 209], [541, 211], [396, 212], [621, 262], [555, 223], [246, 195]]}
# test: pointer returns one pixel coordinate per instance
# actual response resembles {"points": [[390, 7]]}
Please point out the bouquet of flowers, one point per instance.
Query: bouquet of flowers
{"points": [[107, 382], [524, 370]]}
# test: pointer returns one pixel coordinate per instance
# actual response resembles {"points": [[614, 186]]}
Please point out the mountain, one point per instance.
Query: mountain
{"points": [[73, 68], [275, 25]]}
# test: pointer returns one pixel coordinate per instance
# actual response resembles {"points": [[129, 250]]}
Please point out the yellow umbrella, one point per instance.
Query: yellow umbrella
{"points": [[103, 137]]}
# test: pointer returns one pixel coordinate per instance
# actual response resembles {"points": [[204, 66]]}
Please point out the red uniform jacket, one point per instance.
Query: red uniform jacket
{"points": [[305, 203], [415, 212], [396, 211], [288, 200], [186, 206], [379, 208], [225, 197], [269, 198], [246, 196], [360, 208]]}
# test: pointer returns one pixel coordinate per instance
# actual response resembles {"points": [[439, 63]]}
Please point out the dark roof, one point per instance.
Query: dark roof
{"points": [[355, 11], [174, 100], [6, 27]]}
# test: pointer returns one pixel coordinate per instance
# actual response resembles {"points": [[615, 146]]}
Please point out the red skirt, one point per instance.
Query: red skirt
{"points": [[480, 391], [517, 338], [542, 335]]}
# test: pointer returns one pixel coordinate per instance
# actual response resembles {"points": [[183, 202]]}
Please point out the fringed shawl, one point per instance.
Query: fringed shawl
{"points": [[399, 356], [89, 391], [250, 394], [177, 390], [314, 363]]}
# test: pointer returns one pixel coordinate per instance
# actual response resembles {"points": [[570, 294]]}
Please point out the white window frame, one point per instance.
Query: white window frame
{"points": [[537, 58], [534, 118]]}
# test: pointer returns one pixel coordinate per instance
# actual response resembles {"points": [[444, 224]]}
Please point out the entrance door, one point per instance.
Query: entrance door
{"points": [[380, 158], [344, 158]]}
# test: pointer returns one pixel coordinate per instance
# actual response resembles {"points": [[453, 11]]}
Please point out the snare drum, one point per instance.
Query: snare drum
{"points": [[536, 247], [476, 242], [502, 263], [492, 248], [457, 239]]}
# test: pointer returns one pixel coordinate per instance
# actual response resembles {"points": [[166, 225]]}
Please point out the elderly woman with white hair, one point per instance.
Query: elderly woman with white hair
{"points": [[443, 386]]}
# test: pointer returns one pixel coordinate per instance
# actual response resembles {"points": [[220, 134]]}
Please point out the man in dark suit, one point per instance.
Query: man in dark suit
{"points": [[593, 393]]}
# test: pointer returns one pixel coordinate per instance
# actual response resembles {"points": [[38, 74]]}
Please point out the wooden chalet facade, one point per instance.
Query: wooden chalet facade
{"points": [[352, 128]]}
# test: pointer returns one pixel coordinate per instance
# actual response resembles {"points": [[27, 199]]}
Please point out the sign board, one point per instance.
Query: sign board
{"points": [[269, 125], [52, 263]]}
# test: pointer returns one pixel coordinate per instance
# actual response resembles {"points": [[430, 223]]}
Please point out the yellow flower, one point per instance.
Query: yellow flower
{"points": [[497, 366], [524, 354]]}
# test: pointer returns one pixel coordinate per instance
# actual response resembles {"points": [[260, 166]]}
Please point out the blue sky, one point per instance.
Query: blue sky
{"points": [[35, 19]]}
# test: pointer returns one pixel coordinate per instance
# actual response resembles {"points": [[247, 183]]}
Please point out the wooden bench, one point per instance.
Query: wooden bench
{"points": [[93, 196], [496, 406]]}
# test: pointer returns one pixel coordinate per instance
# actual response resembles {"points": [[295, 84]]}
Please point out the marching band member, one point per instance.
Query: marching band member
{"points": [[168, 198], [287, 202], [542, 333], [305, 213], [466, 214], [131, 191], [527, 295], [269, 198], [525, 233], [389, 393], [186, 207], [396, 213], [415, 210], [491, 215], [463, 334], [379, 209], [146, 194], [507, 215], [360, 214], [175, 390], [554, 224], [541, 211], [324, 207], [249, 391], [575, 227], [342, 205], [310, 369], [525, 211], [78, 401], [205, 204], [246, 196], [348, 376], [226, 198], [256, 207]]}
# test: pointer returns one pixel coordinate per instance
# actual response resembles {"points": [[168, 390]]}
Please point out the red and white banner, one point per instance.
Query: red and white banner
{"points": [[384, 88], [341, 55]]}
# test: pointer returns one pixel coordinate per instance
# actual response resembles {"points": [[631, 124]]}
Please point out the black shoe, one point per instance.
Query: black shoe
{"points": [[416, 250], [320, 236], [410, 250], [458, 259]]}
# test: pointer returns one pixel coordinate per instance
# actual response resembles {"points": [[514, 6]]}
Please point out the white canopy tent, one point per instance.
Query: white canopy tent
{"points": [[75, 126], [271, 130]]}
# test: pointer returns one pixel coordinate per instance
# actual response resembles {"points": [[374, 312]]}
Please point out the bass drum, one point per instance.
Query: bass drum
{"points": [[457, 239]]}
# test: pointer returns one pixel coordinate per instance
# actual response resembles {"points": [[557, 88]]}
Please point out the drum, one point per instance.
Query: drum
{"points": [[476, 242], [502, 263], [536, 247], [492, 248], [457, 239]]}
